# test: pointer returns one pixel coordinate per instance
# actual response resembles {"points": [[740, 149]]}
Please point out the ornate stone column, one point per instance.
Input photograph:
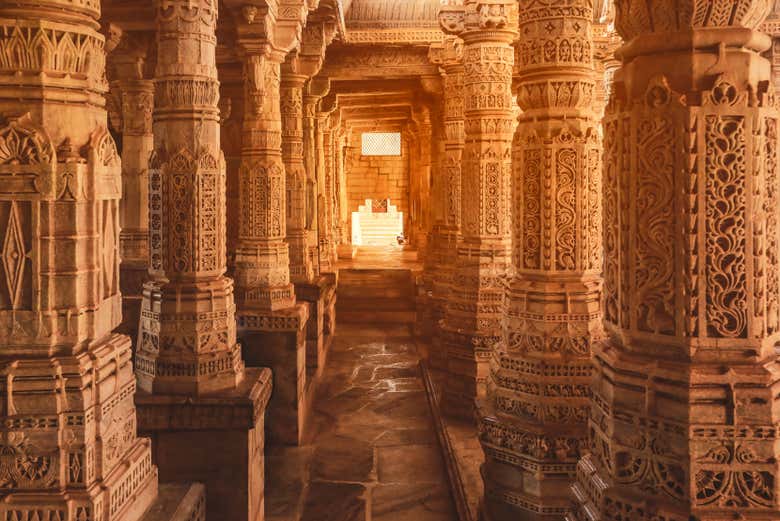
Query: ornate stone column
{"points": [[449, 56], [311, 101], [291, 92], [188, 361], [683, 413], [137, 145], [271, 322], [135, 105], [538, 387], [472, 326], [314, 126], [188, 336], [69, 442], [231, 116]]}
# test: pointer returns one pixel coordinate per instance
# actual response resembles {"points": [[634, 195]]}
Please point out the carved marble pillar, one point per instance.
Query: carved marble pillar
{"points": [[324, 159], [68, 420], [231, 115], [473, 322], [188, 335], [291, 93], [420, 169], [684, 403], [262, 270], [311, 100], [270, 320], [449, 56], [538, 387], [323, 176], [137, 145], [188, 361]]}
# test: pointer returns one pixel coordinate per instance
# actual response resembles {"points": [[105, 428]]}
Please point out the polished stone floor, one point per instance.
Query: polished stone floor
{"points": [[373, 453]]}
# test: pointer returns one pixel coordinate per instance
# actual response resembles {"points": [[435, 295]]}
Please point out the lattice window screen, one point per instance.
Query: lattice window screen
{"points": [[381, 144]]}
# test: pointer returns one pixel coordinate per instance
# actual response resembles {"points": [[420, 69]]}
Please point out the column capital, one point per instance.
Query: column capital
{"points": [[634, 17], [481, 20]]}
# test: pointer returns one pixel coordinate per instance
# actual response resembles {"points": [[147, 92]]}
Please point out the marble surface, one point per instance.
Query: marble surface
{"points": [[372, 452]]}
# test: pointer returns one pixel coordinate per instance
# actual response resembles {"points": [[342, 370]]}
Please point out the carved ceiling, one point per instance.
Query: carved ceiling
{"points": [[392, 22]]}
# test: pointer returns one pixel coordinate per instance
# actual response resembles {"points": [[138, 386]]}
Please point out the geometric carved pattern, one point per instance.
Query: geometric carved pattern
{"points": [[13, 255], [381, 144]]}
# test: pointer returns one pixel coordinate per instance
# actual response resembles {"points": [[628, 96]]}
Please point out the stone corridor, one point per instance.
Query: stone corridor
{"points": [[372, 452], [573, 314]]}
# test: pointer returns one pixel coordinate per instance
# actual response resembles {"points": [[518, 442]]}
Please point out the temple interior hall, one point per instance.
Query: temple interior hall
{"points": [[389, 260]]}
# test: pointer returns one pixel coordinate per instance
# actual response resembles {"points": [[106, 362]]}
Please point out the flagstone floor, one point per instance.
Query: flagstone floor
{"points": [[373, 453]]}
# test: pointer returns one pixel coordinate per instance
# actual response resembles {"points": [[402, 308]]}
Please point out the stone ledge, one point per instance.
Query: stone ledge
{"points": [[315, 290], [291, 319], [178, 502], [462, 466], [240, 408]]}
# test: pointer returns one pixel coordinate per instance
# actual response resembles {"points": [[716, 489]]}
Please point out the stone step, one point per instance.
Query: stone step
{"points": [[178, 502], [377, 317], [376, 304], [380, 296]]}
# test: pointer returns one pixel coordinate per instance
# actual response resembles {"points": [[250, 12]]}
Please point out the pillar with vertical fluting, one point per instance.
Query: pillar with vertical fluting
{"points": [[538, 386], [683, 408], [187, 339], [473, 321]]}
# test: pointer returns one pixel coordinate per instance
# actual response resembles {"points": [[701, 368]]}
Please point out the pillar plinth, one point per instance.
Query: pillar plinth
{"points": [[539, 379], [473, 322], [683, 408], [187, 351]]}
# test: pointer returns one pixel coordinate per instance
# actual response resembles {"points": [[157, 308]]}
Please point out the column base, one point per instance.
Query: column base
{"points": [[178, 502], [132, 276], [277, 339], [528, 467], [316, 294], [346, 251], [467, 366], [124, 495], [430, 311], [217, 440]]}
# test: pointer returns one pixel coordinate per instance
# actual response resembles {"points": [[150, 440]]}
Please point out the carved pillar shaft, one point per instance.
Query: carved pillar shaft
{"points": [[326, 178], [137, 146], [684, 397], [68, 419], [474, 319], [448, 55], [262, 269], [539, 379], [311, 149], [301, 269], [188, 334]]}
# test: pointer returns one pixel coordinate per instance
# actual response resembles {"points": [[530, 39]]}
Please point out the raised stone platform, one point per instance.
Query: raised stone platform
{"points": [[178, 502], [320, 295], [460, 447], [217, 440], [277, 339]]}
